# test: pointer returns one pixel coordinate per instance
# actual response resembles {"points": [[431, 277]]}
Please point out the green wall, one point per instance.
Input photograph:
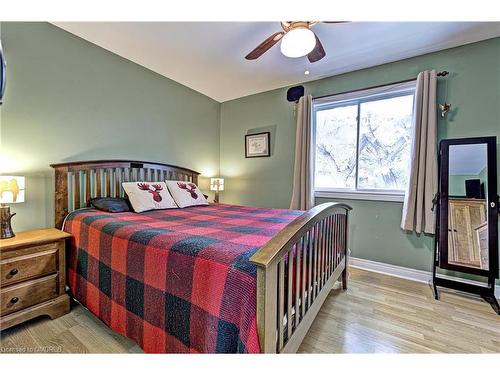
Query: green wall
{"points": [[68, 99], [473, 90]]}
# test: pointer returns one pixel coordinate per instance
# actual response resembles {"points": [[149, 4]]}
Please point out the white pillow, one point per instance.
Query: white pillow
{"points": [[145, 196], [186, 194]]}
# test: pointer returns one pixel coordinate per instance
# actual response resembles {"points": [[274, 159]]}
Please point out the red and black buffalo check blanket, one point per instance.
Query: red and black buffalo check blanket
{"points": [[176, 280]]}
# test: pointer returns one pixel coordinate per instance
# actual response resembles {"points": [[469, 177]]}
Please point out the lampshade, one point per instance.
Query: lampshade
{"points": [[217, 184], [11, 189], [298, 42]]}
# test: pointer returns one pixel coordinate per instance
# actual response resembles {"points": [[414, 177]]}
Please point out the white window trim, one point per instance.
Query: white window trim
{"points": [[383, 196], [364, 94], [345, 99]]}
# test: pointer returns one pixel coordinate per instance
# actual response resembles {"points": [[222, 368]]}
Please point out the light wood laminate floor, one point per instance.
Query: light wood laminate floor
{"points": [[377, 314]]}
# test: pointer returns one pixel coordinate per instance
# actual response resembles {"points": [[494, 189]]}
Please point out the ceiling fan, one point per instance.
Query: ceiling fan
{"points": [[297, 40]]}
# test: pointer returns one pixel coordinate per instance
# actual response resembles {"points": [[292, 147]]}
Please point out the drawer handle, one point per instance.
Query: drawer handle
{"points": [[14, 300], [14, 271]]}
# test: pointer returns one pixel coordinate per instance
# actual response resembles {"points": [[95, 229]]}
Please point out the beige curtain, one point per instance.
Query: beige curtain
{"points": [[302, 196], [418, 215]]}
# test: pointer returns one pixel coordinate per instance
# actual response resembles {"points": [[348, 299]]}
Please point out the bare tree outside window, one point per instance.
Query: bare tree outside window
{"points": [[369, 153], [336, 133]]}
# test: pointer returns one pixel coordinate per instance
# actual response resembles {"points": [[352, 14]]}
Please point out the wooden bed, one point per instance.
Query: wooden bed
{"points": [[320, 235]]}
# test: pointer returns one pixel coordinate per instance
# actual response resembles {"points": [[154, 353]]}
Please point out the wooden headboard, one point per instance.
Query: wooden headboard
{"points": [[76, 182]]}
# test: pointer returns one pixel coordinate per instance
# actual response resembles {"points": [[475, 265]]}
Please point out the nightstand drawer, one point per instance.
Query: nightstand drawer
{"points": [[35, 264], [28, 293]]}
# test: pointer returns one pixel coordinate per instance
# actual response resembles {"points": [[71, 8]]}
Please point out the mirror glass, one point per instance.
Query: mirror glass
{"points": [[467, 207]]}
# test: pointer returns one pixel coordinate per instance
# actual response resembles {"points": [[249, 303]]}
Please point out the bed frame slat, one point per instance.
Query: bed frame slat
{"points": [[335, 237], [281, 302], [130, 174], [298, 271], [289, 292], [340, 239], [76, 191], [108, 176], [98, 185], [87, 176], [315, 254], [310, 283], [117, 182], [304, 272]]}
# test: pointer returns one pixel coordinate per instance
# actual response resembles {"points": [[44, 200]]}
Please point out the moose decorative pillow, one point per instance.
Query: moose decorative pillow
{"points": [[145, 196], [186, 194]]}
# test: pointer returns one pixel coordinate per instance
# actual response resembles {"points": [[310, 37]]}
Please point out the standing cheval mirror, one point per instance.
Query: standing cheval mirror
{"points": [[467, 216]]}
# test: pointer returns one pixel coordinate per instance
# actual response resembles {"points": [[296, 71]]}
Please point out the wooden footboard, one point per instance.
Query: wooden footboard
{"points": [[296, 271]]}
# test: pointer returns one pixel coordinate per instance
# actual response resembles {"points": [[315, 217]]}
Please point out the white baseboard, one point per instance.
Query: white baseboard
{"points": [[407, 273]]}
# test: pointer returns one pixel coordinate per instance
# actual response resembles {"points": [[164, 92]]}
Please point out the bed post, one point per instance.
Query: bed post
{"points": [[61, 195], [267, 308], [345, 273]]}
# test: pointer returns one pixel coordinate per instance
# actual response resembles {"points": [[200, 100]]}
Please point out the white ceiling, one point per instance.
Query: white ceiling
{"points": [[468, 159], [209, 56]]}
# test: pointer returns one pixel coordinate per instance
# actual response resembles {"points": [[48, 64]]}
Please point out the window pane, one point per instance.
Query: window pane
{"points": [[336, 131], [384, 143]]}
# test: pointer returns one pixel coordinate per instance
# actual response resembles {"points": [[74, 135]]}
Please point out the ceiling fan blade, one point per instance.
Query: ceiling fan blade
{"points": [[335, 21], [265, 45], [318, 51]]}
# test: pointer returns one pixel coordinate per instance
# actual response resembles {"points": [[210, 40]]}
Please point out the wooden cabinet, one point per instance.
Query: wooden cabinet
{"points": [[465, 216], [32, 276]]}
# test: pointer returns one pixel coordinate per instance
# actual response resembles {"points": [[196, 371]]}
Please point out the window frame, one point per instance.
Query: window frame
{"points": [[357, 98]]}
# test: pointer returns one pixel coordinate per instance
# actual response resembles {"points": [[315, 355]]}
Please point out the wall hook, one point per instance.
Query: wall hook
{"points": [[444, 108]]}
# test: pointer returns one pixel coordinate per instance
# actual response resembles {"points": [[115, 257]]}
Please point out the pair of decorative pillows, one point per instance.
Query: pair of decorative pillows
{"points": [[145, 196]]}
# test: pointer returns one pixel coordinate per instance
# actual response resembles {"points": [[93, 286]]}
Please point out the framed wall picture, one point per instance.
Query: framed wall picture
{"points": [[258, 145]]}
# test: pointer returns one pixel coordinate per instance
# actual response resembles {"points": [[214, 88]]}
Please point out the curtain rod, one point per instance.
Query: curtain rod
{"points": [[444, 73]]}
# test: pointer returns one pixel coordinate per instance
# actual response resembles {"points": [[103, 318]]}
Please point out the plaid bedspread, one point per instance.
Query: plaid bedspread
{"points": [[174, 281]]}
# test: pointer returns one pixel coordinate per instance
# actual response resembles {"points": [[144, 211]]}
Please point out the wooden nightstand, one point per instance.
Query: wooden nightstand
{"points": [[32, 276]]}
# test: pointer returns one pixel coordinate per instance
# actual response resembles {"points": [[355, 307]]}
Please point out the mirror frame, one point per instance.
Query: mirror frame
{"points": [[492, 206]]}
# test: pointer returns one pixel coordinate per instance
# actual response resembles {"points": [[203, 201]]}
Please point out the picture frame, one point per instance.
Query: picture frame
{"points": [[258, 145]]}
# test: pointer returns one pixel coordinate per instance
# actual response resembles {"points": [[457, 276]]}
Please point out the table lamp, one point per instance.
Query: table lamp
{"points": [[217, 184], [11, 191]]}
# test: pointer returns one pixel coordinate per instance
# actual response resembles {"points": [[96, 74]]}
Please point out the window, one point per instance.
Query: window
{"points": [[362, 143]]}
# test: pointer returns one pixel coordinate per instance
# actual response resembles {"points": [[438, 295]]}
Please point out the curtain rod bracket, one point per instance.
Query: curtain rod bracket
{"points": [[444, 73]]}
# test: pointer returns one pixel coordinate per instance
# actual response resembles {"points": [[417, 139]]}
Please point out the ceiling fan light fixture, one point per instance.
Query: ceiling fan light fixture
{"points": [[298, 42]]}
